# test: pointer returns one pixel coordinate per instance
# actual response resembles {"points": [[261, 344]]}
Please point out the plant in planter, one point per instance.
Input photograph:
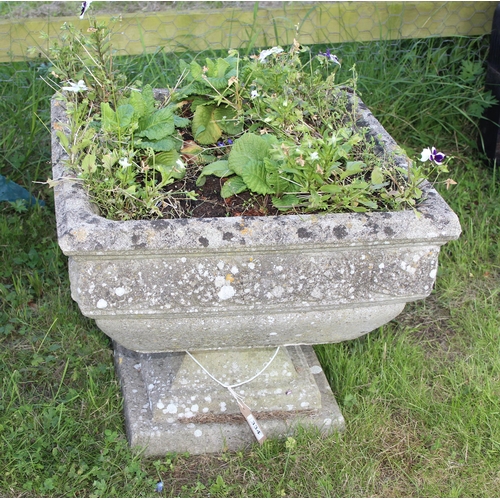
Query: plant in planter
{"points": [[271, 136], [275, 127]]}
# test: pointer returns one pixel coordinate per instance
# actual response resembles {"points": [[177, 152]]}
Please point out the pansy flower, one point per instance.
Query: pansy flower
{"points": [[432, 154], [330, 57], [85, 6]]}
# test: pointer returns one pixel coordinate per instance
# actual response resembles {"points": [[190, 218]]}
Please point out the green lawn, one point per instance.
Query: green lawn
{"points": [[421, 396]]}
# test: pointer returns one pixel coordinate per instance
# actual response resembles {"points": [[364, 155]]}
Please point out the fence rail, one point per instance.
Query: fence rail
{"points": [[318, 22]]}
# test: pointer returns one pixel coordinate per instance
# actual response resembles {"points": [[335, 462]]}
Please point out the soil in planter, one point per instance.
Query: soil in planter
{"points": [[209, 203]]}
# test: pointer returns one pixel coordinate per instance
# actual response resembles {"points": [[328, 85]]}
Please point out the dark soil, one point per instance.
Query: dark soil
{"points": [[210, 204]]}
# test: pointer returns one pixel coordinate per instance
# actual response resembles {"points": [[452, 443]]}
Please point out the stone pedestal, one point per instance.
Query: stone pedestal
{"points": [[171, 404]]}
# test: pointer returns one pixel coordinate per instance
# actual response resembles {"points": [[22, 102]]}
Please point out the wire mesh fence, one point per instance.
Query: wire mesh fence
{"points": [[197, 26]]}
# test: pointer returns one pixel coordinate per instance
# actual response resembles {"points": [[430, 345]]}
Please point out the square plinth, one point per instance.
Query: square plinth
{"points": [[172, 403]]}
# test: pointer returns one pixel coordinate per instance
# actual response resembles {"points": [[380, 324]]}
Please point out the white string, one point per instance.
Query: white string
{"points": [[247, 412], [228, 386]]}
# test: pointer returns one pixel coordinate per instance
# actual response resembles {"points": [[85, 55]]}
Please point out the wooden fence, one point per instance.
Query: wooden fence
{"points": [[315, 22]]}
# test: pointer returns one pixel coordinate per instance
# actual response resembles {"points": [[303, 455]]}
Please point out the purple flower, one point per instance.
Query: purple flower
{"points": [[432, 154], [229, 141], [330, 57]]}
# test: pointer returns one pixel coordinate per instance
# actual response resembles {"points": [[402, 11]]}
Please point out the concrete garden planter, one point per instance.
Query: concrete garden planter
{"points": [[229, 291]]}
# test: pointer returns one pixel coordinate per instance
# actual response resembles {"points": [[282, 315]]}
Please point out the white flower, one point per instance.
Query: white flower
{"points": [[76, 87], [314, 155], [124, 163], [268, 52], [254, 94]]}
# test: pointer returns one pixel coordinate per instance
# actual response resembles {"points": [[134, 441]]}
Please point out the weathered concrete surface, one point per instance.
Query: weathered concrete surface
{"points": [[172, 405]]}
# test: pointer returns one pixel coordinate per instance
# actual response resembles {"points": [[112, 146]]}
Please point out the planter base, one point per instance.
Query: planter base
{"points": [[172, 405]]}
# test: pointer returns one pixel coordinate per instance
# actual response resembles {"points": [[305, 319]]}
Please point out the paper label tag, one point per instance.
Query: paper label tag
{"points": [[252, 422]]}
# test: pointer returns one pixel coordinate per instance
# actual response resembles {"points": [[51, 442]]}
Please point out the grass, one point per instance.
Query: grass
{"points": [[421, 395]]}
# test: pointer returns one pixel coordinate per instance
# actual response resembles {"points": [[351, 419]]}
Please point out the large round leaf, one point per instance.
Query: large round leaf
{"points": [[248, 149], [246, 159], [226, 120], [204, 126]]}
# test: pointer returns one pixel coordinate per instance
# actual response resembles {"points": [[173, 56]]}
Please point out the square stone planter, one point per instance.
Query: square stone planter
{"points": [[231, 290]]}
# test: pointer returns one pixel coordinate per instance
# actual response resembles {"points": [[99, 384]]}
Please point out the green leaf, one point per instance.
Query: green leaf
{"points": [[136, 100], [169, 174], [167, 158], [116, 121], [199, 100], [84, 140], [108, 118], [218, 83], [88, 164], [246, 159], [63, 139], [166, 144], [204, 128], [370, 204], [249, 148], [352, 168], [276, 178], [331, 188], [255, 176], [124, 115], [149, 99], [217, 168], [225, 118], [317, 201], [157, 126], [232, 186], [180, 122], [359, 184], [196, 70], [377, 176], [176, 171], [286, 202], [217, 69], [108, 160], [331, 168], [166, 164]]}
